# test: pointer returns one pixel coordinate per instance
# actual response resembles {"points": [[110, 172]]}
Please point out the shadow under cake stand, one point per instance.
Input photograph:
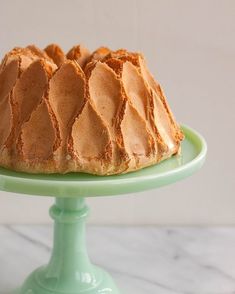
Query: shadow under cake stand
{"points": [[69, 270]]}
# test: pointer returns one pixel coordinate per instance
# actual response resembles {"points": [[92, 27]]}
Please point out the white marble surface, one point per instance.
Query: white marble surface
{"points": [[143, 260]]}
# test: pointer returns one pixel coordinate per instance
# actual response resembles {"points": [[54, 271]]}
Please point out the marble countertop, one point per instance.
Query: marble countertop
{"points": [[142, 260]]}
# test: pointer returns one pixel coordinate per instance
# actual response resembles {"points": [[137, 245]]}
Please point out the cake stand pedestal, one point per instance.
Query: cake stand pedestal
{"points": [[69, 270]]}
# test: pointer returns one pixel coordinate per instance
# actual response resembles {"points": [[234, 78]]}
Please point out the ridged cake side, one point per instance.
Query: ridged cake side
{"points": [[101, 113]]}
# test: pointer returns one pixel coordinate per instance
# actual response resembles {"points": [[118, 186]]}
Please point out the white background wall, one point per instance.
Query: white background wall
{"points": [[190, 48]]}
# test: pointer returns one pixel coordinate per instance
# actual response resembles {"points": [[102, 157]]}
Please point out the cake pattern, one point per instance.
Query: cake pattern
{"points": [[101, 113]]}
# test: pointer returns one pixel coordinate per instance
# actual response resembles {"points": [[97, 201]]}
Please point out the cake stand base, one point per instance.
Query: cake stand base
{"points": [[36, 284], [69, 270]]}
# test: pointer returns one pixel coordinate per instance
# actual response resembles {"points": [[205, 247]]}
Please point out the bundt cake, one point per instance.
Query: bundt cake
{"points": [[100, 113]]}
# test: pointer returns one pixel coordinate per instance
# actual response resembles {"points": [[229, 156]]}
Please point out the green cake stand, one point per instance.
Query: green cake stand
{"points": [[69, 270]]}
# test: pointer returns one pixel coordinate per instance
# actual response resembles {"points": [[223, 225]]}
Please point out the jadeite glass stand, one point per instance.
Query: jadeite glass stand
{"points": [[69, 270]]}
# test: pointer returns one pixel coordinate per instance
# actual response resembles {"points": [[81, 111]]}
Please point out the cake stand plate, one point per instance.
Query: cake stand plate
{"points": [[69, 270]]}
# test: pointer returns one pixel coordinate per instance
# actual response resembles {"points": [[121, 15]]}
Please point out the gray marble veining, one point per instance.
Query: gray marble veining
{"points": [[142, 260]]}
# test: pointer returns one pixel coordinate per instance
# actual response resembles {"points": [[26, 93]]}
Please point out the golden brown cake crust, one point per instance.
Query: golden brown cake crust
{"points": [[101, 113]]}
